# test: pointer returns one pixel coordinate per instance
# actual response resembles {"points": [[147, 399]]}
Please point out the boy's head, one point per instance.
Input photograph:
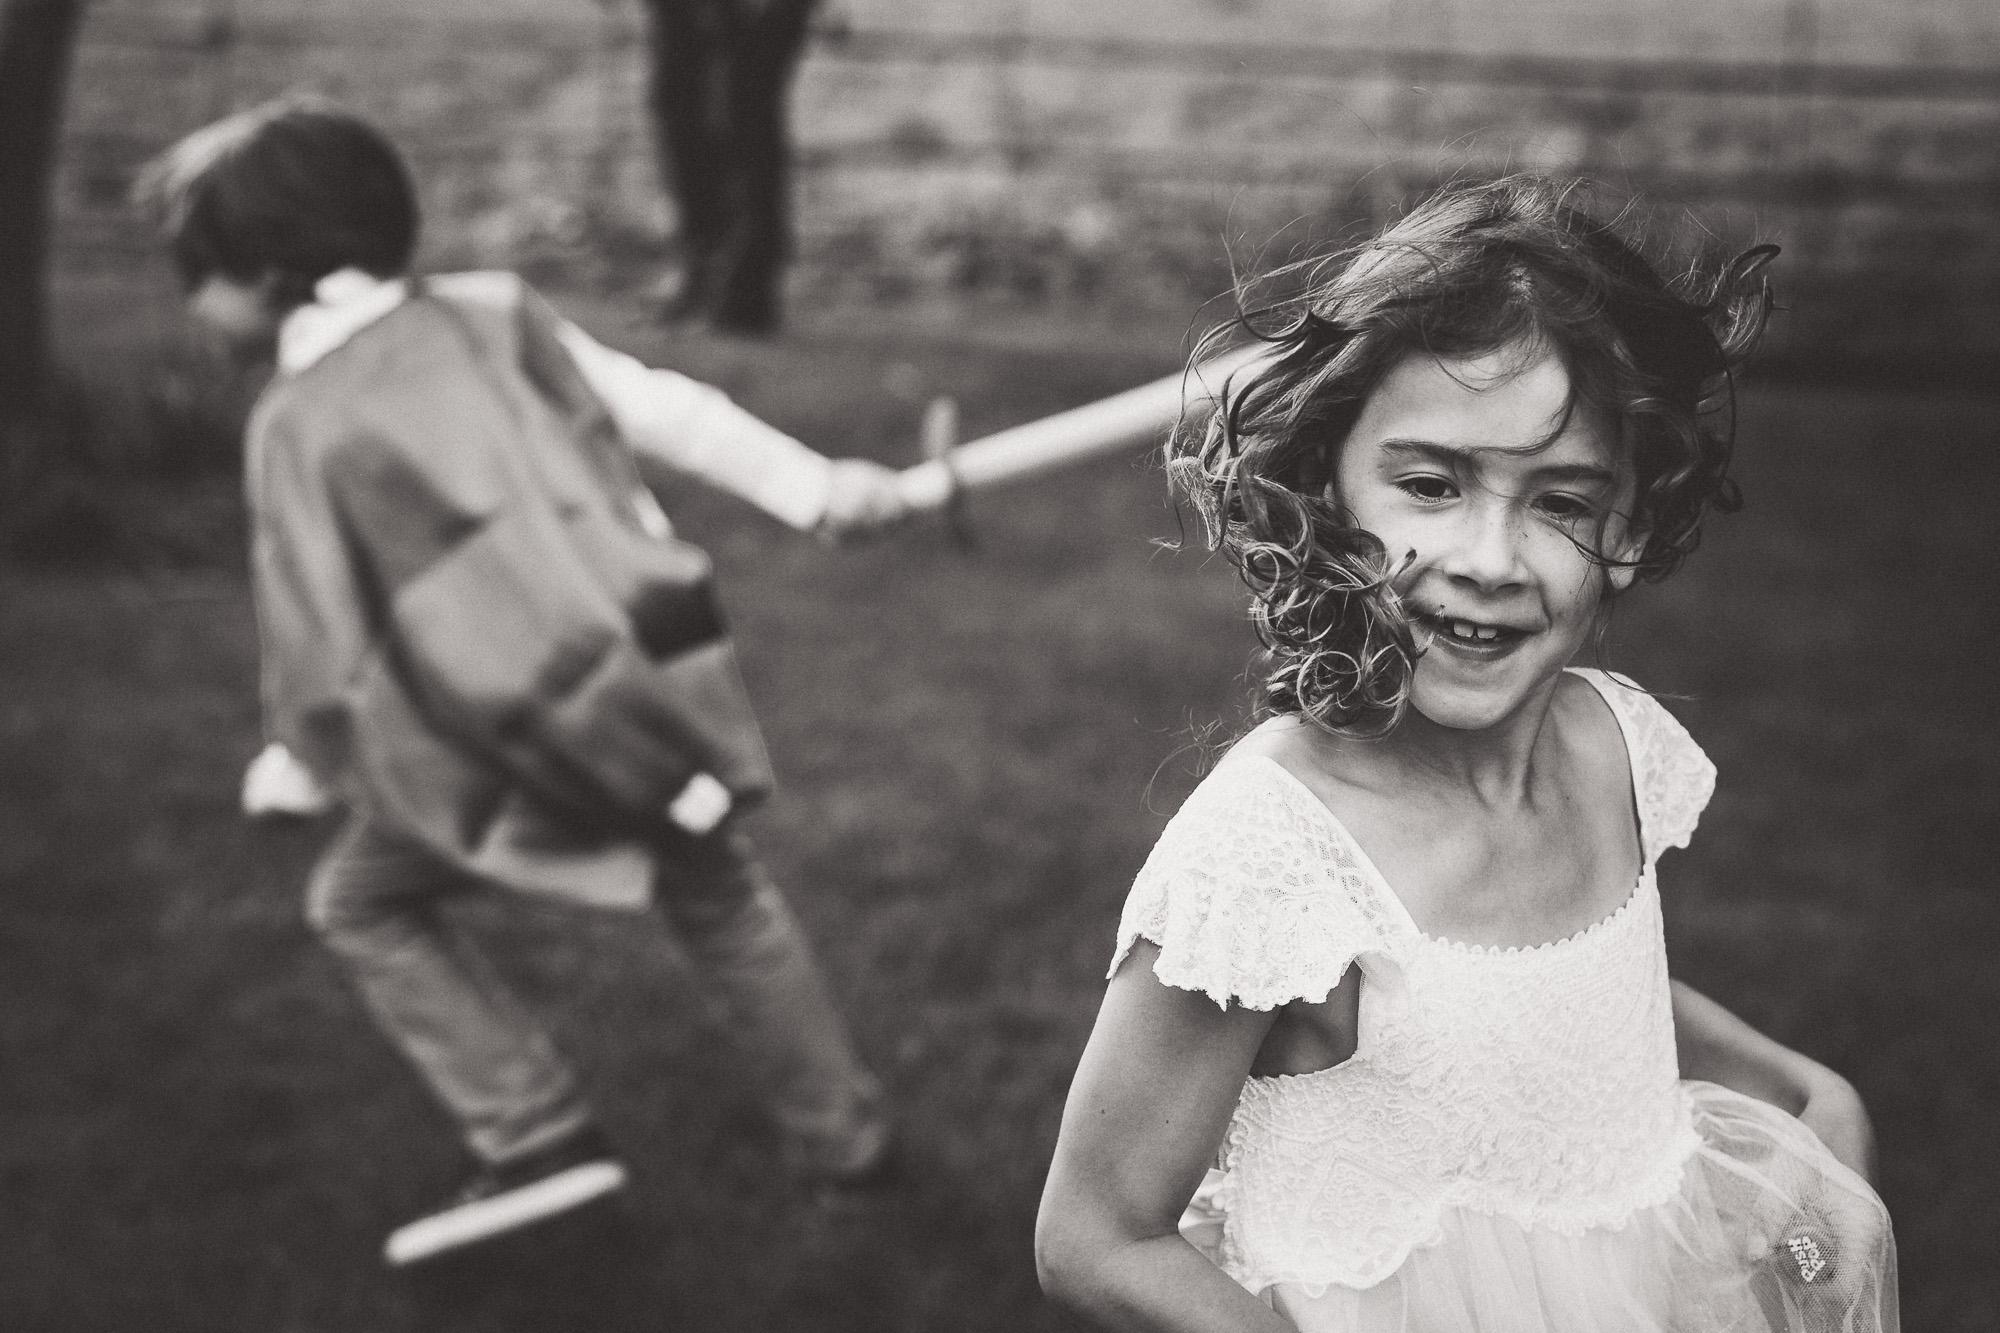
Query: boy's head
{"points": [[257, 208], [1512, 266]]}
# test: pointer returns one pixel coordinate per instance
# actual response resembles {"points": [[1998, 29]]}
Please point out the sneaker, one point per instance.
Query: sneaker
{"points": [[504, 1198]]}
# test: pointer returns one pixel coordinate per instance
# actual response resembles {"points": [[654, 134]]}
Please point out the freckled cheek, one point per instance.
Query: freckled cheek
{"points": [[1569, 576], [1403, 539]]}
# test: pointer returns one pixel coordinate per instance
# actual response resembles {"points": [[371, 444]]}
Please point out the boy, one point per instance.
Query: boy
{"points": [[478, 630]]}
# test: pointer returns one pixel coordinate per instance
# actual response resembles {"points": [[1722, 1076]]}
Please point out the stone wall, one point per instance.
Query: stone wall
{"points": [[1119, 153]]}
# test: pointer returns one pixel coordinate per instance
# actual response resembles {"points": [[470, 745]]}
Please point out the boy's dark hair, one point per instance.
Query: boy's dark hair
{"points": [[297, 187], [1477, 267]]}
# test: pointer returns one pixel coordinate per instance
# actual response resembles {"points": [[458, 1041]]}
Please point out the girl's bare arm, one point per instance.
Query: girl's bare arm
{"points": [[1152, 1097], [1718, 1047]]}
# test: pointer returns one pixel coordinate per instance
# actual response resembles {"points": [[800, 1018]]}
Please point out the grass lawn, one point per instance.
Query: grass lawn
{"points": [[199, 1129]]}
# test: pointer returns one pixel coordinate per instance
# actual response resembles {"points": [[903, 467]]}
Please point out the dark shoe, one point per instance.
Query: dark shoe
{"points": [[505, 1198]]}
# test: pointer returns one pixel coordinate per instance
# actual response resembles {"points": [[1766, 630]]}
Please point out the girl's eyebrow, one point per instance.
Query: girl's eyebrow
{"points": [[1458, 457]]}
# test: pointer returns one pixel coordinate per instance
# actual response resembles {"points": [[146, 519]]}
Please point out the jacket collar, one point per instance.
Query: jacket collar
{"points": [[344, 302]]}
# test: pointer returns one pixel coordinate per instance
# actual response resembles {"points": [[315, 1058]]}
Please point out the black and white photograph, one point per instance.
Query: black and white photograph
{"points": [[916, 666]]}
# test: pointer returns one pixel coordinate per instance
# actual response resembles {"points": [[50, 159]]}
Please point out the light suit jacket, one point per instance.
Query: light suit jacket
{"points": [[473, 625]]}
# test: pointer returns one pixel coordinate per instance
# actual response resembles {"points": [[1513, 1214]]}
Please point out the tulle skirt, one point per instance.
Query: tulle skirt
{"points": [[1768, 1233]]}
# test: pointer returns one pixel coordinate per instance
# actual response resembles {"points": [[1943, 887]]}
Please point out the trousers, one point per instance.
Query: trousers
{"points": [[374, 899]]}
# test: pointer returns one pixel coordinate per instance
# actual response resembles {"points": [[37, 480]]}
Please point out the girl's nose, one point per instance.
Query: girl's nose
{"points": [[1487, 549]]}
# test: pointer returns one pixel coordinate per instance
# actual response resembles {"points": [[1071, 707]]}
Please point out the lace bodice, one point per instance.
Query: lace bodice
{"points": [[1535, 1083]]}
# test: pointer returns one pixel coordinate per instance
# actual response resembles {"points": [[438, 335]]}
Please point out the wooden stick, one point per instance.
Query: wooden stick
{"points": [[1141, 415]]}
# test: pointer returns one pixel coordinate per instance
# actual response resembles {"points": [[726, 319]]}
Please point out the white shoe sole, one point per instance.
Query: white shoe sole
{"points": [[483, 1219]]}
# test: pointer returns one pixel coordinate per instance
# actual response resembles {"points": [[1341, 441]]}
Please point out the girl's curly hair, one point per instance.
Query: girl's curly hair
{"points": [[1475, 268]]}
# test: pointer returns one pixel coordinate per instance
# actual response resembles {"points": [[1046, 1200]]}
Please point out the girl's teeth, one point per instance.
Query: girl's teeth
{"points": [[1465, 629]]}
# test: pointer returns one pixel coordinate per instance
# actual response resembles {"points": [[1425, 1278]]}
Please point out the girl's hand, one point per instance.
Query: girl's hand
{"points": [[862, 499], [1834, 1112], [1718, 1046]]}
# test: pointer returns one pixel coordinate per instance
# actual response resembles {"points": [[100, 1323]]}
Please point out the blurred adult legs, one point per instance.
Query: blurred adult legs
{"points": [[721, 73]]}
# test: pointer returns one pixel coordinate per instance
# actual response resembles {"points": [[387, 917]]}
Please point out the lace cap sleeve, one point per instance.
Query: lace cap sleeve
{"points": [[1672, 778], [1249, 896]]}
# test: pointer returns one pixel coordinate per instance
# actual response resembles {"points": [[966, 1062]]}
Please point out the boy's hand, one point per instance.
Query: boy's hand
{"points": [[862, 499]]}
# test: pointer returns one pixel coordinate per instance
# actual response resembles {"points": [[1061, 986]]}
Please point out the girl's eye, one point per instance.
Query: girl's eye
{"points": [[1428, 487], [1565, 507]]}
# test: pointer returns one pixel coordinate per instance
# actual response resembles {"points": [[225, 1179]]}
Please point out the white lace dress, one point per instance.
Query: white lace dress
{"points": [[1511, 1148]]}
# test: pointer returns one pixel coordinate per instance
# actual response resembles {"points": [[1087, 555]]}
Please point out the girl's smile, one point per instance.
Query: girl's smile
{"points": [[1455, 632], [1497, 490]]}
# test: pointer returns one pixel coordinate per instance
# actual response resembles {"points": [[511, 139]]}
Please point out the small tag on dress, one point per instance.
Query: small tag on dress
{"points": [[1806, 1254]]}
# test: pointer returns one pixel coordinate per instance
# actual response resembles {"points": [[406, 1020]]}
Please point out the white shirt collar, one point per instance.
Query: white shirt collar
{"points": [[344, 302]]}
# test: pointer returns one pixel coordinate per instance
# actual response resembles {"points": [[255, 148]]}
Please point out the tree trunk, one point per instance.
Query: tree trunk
{"points": [[37, 38]]}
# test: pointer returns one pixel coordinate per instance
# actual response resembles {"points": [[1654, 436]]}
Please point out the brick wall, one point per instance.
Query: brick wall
{"points": [[1057, 151]]}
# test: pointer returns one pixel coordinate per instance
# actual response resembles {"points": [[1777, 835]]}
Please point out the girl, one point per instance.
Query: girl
{"points": [[1389, 1042]]}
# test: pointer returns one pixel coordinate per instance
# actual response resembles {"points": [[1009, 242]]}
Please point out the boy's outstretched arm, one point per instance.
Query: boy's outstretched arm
{"points": [[1718, 1047], [695, 428]]}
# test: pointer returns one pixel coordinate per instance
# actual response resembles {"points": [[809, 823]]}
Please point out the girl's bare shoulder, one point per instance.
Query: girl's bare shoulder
{"points": [[1588, 723], [1283, 740], [1330, 766]]}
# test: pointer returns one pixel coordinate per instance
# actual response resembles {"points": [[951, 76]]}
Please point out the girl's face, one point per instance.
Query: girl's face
{"points": [[1452, 460]]}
